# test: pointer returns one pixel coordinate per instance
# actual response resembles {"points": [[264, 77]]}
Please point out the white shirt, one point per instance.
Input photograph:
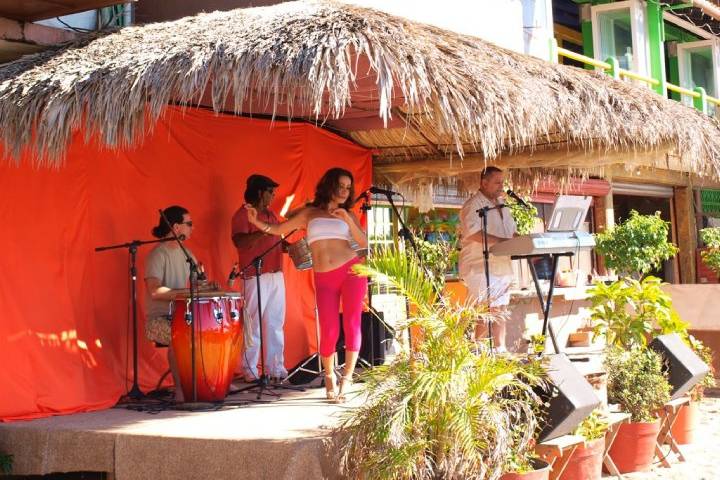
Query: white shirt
{"points": [[471, 254]]}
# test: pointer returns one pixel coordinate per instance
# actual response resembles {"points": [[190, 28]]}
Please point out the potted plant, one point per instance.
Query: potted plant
{"points": [[636, 246], [446, 409], [627, 312], [530, 469], [586, 461], [687, 420], [637, 384]]}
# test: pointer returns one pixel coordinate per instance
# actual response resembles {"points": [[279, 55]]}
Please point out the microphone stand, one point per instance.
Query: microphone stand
{"points": [[263, 381], [193, 303], [135, 393], [483, 213], [405, 234]]}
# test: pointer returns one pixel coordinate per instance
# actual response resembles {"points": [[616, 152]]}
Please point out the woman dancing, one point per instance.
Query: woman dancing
{"points": [[330, 228]]}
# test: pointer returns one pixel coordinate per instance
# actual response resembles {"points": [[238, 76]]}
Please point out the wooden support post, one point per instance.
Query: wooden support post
{"points": [[686, 233], [604, 215]]}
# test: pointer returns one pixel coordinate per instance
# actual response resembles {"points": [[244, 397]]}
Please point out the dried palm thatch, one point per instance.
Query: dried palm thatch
{"points": [[324, 61]]}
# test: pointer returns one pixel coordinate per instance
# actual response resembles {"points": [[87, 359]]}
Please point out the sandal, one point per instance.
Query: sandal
{"points": [[345, 384], [330, 392]]}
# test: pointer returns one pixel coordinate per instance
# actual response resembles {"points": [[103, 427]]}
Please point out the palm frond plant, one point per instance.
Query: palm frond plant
{"points": [[445, 410]]}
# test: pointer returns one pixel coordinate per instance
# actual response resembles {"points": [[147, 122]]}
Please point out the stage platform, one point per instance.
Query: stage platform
{"points": [[285, 438]]}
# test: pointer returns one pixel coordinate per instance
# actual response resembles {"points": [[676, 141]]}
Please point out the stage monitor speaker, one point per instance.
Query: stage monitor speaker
{"points": [[376, 339], [684, 368], [571, 399]]}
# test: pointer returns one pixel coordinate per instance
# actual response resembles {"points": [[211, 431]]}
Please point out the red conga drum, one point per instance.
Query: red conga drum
{"points": [[218, 335]]}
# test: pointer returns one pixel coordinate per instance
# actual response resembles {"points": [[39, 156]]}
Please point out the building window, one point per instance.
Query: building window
{"points": [[616, 37], [696, 62]]}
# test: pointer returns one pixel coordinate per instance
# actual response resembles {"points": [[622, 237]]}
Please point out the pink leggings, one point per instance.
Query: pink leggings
{"points": [[329, 288]]}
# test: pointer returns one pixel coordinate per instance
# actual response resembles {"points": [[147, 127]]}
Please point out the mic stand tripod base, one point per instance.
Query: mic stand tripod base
{"points": [[264, 385]]}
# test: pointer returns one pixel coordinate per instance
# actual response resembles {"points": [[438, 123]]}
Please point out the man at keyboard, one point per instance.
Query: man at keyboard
{"points": [[500, 226]]}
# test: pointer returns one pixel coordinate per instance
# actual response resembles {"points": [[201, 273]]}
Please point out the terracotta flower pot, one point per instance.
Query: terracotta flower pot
{"points": [[634, 446], [683, 430], [541, 472], [585, 462]]}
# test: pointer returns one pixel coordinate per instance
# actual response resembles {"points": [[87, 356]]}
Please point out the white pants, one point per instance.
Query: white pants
{"points": [[478, 291], [272, 296]]}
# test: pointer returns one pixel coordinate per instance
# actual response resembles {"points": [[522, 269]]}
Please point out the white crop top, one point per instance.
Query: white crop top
{"points": [[322, 228]]}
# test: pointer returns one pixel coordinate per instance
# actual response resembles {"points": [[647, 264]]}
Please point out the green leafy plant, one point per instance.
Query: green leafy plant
{"points": [[593, 426], [636, 246], [711, 255], [706, 355], [436, 257], [524, 217], [447, 409], [636, 381], [6, 462], [628, 311]]}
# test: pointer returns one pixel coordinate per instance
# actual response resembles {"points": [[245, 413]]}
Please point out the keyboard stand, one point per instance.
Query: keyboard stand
{"points": [[545, 304]]}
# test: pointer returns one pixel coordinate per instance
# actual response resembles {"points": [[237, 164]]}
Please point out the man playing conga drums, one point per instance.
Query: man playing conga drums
{"points": [[166, 273], [251, 242]]}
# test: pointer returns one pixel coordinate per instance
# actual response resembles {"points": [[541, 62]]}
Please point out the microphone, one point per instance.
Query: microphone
{"points": [[181, 237], [382, 191], [517, 198]]}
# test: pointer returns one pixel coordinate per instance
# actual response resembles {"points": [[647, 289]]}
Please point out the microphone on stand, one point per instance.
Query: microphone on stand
{"points": [[382, 191], [517, 198]]}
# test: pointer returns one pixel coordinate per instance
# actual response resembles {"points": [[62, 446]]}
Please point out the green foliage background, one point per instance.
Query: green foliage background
{"points": [[711, 256]]}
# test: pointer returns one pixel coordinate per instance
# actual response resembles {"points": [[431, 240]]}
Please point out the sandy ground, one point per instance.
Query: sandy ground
{"points": [[703, 456]]}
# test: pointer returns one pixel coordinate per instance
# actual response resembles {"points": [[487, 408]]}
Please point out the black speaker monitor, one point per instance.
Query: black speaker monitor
{"points": [[376, 337], [684, 368], [571, 400]]}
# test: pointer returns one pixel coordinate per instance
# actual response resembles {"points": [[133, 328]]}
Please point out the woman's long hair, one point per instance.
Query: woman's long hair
{"points": [[329, 184], [174, 215]]}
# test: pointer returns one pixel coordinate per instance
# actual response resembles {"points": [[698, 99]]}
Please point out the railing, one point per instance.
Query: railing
{"points": [[611, 67]]}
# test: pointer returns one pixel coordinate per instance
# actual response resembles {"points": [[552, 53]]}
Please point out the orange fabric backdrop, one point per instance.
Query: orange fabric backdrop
{"points": [[65, 338]]}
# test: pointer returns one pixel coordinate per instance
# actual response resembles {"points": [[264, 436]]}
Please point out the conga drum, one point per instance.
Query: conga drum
{"points": [[218, 336]]}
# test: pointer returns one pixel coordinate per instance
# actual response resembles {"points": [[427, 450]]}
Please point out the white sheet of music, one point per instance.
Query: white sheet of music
{"points": [[569, 213]]}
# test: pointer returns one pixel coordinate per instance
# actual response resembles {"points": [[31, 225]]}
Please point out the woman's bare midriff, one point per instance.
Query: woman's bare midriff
{"points": [[330, 254]]}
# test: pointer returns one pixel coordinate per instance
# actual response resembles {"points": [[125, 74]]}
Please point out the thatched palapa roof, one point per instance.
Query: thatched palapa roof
{"points": [[408, 90]]}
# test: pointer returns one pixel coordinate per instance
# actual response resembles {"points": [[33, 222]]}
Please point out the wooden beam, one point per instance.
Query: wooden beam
{"points": [[686, 233], [604, 215], [567, 34], [646, 167]]}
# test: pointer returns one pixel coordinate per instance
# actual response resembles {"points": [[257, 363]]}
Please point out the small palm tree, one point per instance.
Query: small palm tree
{"points": [[448, 410]]}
